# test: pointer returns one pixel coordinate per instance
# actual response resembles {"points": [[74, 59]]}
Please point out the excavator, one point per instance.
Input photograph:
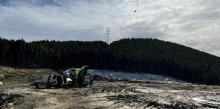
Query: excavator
{"points": [[78, 77]]}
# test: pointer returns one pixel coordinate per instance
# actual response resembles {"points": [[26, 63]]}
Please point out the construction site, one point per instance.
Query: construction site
{"points": [[143, 54], [112, 95], [105, 94]]}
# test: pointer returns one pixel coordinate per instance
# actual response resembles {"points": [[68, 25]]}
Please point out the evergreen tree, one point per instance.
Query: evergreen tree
{"points": [[133, 55]]}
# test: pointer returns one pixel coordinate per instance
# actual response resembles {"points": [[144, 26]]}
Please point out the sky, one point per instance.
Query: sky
{"points": [[193, 23]]}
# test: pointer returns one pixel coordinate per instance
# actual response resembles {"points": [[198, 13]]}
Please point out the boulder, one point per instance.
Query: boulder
{"points": [[1, 83]]}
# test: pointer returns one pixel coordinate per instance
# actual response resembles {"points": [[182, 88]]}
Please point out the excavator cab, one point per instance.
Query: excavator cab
{"points": [[79, 76]]}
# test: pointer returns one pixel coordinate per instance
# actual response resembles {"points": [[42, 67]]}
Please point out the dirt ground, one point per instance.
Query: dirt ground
{"points": [[111, 95], [14, 75]]}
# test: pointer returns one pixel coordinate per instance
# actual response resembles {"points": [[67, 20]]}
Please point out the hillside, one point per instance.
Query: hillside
{"points": [[133, 55], [166, 58], [10, 75]]}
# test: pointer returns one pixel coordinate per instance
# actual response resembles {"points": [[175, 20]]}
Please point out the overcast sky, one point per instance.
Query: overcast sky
{"points": [[194, 23]]}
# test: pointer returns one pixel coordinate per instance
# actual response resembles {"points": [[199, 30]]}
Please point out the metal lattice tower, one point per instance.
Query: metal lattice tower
{"points": [[108, 34]]}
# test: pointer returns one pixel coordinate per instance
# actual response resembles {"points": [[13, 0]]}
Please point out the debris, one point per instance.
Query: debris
{"points": [[6, 100], [104, 94], [2, 76], [10, 106], [100, 78]]}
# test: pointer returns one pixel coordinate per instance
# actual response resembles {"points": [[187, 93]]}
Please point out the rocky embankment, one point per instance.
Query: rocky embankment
{"points": [[111, 95]]}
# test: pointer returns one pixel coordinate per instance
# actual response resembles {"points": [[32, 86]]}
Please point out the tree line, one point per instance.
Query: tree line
{"points": [[132, 55]]}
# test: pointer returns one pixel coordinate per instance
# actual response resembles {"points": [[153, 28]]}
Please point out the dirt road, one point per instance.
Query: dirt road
{"points": [[120, 94]]}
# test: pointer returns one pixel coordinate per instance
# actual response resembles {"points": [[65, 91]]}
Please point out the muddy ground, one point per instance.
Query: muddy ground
{"points": [[119, 94]]}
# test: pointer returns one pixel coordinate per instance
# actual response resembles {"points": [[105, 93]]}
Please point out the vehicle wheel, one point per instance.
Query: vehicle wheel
{"points": [[58, 86], [85, 85], [48, 86], [36, 85]]}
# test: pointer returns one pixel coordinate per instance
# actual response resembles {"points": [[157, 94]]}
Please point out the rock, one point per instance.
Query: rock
{"points": [[100, 78], [1, 83], [111, 80], [10, 106], [2, 76]]}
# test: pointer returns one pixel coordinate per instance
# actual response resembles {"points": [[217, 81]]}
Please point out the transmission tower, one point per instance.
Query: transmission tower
{"points": [[108, 34]]}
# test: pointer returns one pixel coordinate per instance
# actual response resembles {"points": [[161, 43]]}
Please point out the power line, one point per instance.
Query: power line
{"points": [[107, 35]]}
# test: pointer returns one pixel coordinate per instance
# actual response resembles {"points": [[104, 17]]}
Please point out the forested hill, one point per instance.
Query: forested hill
{"points": [[141, 55]]}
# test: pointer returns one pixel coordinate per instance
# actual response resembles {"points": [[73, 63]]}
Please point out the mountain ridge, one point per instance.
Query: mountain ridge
{"points": [[142, 55]]}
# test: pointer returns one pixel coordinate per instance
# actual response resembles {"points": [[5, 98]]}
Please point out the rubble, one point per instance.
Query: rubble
{"points": [[109, 95], [6, 100], [100, 78]]}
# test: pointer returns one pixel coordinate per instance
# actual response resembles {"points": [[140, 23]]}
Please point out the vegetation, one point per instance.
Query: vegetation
{"points": [[141, 55]]}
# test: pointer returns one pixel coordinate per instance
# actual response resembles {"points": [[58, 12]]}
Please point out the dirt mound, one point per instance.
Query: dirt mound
{"points": [[13, 75]]}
